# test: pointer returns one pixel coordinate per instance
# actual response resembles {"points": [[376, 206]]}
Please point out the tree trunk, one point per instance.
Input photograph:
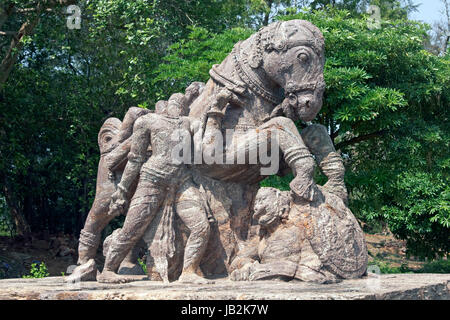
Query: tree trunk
{"points": [[16, 46], [22, 227], [267, 15], [25, 30], [5, 12], [445, 46]]}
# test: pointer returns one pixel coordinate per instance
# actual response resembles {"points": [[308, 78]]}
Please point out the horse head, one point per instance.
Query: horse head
{"points": [[286, 60]]}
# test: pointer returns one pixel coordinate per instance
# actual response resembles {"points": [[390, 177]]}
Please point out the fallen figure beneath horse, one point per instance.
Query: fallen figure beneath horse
{"points": [[317, 241]]}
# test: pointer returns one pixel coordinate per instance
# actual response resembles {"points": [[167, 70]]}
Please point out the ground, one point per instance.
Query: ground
{"points": [[57, 252]]}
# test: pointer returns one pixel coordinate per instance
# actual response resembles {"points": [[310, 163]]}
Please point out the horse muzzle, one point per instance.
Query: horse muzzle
{"points": [[305, 101]]}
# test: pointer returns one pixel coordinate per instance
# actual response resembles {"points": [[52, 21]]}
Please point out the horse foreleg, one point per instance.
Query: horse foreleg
{"points": [[330, 162], [296, 154]]}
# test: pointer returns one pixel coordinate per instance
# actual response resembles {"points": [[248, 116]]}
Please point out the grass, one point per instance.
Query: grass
{"points": [[143, 265], [37, 271], [437, 266], [5, 233]]}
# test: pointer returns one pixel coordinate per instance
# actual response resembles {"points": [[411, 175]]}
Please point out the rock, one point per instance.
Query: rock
{"points": [[20, 256], [386, 287], [65, 251], [41, 244], [127, 268], [54, 243], [11, 265]]}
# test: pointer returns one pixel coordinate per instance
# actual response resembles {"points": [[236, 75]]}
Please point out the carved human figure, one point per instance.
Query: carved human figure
{"points": [[114, 141], [317, 241], [159, 180], [113, 135]]}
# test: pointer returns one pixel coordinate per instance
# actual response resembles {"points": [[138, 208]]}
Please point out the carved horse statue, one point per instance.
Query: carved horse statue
{"points": [[277, 71], [269, 80]]}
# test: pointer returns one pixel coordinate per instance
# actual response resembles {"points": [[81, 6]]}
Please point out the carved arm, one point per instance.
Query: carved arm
{"points": [[140, 141]]}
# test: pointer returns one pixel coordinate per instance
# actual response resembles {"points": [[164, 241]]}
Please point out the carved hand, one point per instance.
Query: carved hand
{"points": [[118, 203]]}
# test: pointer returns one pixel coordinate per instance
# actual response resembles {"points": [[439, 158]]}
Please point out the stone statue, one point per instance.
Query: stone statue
{"points": [[195, 216], [113, 135], [316, 241], [114, 140], [159, 179]]}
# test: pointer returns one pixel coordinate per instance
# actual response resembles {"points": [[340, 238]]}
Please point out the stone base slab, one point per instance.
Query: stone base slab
{"points": [[384, 287]]}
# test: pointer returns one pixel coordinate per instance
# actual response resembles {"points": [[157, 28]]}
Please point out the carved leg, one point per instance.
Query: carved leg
{"points": [[189, 207], [330, 162], [96, 221], [243, 273], [290, 143], [283, 270], [307, 274], [130, 265], [90, 236], [144, 205], [297, 156]]}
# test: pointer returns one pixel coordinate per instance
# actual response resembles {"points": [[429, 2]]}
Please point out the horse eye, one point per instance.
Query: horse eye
{"points": [[302, 57]]}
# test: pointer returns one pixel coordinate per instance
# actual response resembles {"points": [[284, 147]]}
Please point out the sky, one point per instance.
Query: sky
{"points": [[429, 11]]}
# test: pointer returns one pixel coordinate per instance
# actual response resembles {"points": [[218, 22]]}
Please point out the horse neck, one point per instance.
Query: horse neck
{"points": [[255, 108]]}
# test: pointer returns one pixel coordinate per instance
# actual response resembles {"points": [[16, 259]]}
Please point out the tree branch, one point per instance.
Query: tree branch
{"points": [[333, 135], [5, 13], [364, 137], [7, 33], [25, 30], [55, 3], [31, 10], [16, 46], [267, 14]]}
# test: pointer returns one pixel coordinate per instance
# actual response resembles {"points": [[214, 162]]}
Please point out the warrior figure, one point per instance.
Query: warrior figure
{"points": [[159, 177]]}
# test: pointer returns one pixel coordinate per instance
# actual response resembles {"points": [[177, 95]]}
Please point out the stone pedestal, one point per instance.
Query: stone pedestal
{"points": [[386, 287]]}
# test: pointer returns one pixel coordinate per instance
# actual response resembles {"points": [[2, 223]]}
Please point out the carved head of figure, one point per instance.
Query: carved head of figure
{"points": [[193, 91], [161, 107], [108, 134], [291, 54], [271, 206], [176, 106]]}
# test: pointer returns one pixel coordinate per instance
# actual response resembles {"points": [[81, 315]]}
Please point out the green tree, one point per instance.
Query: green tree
{"points": [[30, 13], [386, 108]]}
